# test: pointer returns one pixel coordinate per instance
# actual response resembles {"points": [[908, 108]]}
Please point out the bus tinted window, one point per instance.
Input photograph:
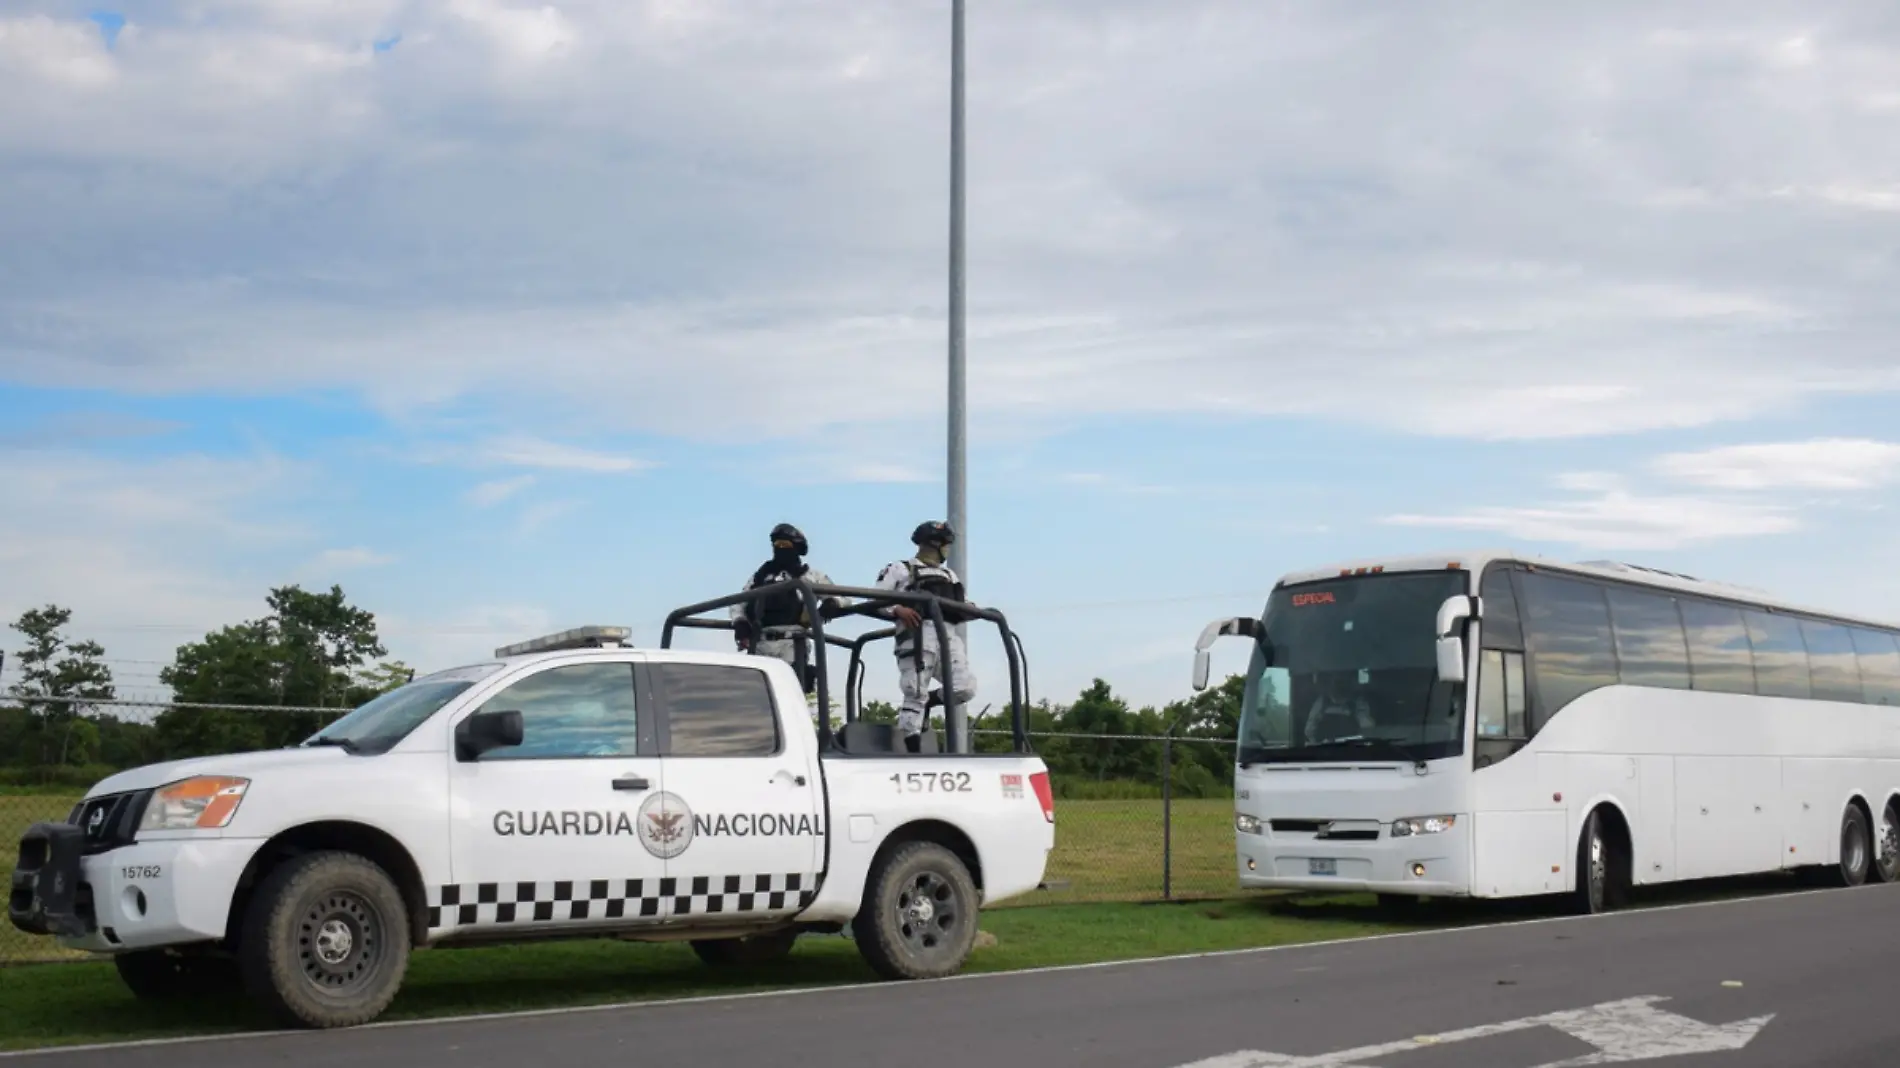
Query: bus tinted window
{"points": [[1879, 656], [1831, 661], [1500, 627], [1567, 625], [1719, 657], [1650, 648], [1781, 655]]}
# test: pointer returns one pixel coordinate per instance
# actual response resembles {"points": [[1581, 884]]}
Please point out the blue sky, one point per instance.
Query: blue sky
{"points": [[510, 317]]}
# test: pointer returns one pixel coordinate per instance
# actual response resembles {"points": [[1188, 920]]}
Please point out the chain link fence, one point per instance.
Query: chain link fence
{"points": [[1166, 833]]}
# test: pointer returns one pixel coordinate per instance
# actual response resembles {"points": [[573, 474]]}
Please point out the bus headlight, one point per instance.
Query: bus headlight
{"points": [[1246, 824], [1406, 828]]}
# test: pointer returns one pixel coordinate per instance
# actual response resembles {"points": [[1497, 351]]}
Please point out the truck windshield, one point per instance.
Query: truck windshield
{"points": [[377, 726], [1348, 672]]}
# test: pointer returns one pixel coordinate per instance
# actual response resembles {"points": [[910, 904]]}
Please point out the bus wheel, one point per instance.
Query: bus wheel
{"points": [[1856, 848], [1602, 868], [1887, 853]]}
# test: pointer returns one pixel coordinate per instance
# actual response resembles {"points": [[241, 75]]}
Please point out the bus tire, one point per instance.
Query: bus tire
{"points": [[1857, 846], [1602, 868], [326, 941], [1887, 844], [919, 915]]}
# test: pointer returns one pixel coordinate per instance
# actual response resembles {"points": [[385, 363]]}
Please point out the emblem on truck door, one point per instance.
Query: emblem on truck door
{"points": [[666, 825]]}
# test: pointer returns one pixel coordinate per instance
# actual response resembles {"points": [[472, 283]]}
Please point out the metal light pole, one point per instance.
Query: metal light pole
{"points": [[955, 715]]}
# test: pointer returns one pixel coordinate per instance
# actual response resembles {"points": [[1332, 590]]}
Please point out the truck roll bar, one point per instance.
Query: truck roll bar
{"points": [[874, 603]]}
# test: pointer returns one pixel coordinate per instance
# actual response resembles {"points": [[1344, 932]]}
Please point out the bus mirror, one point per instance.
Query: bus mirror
{"points": [[1453, 611], [1240, 626], [1451, 658]]}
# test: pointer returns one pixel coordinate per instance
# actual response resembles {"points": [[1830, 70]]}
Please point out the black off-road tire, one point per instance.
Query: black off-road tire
{"points": [[919, 917], [750, 951], [169, 975], [325, 941], [1857, 850]]}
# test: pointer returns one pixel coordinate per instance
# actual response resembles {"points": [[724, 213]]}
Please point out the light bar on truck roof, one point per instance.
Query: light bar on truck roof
{"points": [[594, 637]]}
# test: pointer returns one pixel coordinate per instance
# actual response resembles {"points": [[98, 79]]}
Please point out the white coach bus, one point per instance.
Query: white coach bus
{"points": [[1497, 725]]}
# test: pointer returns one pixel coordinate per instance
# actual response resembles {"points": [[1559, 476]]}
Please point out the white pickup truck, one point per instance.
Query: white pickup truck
{"points": [[573, 785]]}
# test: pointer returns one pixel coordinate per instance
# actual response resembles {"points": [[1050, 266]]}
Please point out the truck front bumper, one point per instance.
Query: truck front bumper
{"points": [[138, 896]]}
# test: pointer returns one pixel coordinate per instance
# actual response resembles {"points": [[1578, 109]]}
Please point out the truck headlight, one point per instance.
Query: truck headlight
{"points": [[1247, 824], [204, 802], [1406, 828]]}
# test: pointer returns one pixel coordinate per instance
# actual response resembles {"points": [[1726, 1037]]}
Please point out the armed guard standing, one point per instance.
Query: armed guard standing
{"points": [[918, 658], [780, 625]]}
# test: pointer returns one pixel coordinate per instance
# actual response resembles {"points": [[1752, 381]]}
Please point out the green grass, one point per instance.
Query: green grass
{"points": [[1112, 850], [64, 1004]]}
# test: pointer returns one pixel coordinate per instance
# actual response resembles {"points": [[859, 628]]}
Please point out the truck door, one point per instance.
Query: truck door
{"points": [[548, 833], [749, 840]]}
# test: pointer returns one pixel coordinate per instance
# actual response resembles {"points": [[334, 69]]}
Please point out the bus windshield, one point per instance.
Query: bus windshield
{"points": [[1348, 671]]}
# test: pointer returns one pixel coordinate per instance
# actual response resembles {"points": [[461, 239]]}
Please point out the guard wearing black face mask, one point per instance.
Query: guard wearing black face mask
{"points": [[780, 625], [917, 654]]}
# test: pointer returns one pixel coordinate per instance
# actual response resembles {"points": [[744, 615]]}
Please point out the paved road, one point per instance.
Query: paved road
{"points": [[1823, 964]]}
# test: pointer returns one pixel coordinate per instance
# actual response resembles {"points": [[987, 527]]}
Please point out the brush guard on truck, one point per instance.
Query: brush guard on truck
{"points": [[46, 895], [855, 735]]}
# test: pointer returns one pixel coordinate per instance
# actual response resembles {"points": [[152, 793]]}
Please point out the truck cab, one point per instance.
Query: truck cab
{"points": [[572, 785]]}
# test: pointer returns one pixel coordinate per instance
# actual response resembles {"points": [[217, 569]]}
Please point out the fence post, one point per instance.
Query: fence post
{"points": [[1167, 814]]}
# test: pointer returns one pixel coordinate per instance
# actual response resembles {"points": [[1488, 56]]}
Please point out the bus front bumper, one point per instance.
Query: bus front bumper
{"points": [[1427, 865]]}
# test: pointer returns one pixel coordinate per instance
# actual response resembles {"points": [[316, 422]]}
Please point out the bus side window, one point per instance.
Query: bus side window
{"points": [[1514, 702], [1501, 695]]}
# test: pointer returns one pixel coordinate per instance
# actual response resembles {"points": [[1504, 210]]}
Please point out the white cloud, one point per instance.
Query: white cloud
{"points": [[725, 222], [491, 493], [351, 559], [1821, 463], [148, 554], [1613, 518], [524, 451], [63, 55]]}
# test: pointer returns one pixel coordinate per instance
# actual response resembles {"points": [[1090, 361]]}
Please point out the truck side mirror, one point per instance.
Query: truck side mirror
{"points": [[484, 731], [1201, 661]]}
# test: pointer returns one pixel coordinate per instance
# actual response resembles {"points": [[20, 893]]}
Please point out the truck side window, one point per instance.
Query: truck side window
{"points": [[578, 710], [715, 710]]}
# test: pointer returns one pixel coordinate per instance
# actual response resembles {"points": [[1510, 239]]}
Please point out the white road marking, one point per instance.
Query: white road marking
{"points": [[1621, 1031], [967, 977]]}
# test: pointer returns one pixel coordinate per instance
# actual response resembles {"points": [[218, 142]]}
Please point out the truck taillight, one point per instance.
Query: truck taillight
{"points": [[1040, 783]]}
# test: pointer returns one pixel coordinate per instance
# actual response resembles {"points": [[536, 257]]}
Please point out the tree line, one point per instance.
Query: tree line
{"points": [[316, 650]]}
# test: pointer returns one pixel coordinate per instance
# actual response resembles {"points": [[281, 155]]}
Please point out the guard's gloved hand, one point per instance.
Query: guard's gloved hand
{"points": [[743, 635]]}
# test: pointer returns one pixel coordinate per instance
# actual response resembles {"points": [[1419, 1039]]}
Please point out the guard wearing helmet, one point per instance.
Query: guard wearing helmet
{"points": [[779, 626], [918, 658]]}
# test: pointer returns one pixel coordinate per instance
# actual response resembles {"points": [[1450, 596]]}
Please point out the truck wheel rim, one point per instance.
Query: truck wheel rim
{"points": [[927, 912], [338, 940]]}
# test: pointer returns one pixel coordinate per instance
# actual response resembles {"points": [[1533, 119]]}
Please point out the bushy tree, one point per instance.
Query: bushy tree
{"points": [[306, 652], [57, 677]]}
